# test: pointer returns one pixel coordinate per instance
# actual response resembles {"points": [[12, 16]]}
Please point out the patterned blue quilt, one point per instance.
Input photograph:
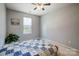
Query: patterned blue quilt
{"points": [[25, 48]]}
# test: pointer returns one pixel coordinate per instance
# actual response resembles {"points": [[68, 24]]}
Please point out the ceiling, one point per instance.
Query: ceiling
{"points": [[28, 8]]}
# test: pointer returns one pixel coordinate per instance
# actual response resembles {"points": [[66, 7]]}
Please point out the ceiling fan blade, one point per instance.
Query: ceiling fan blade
{"points": [[35, 8], [34, 3], [47, 4]]}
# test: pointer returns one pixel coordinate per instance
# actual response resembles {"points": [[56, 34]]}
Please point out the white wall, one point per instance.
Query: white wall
{"points": [[62, 25], [18, 29], [2, 24]]}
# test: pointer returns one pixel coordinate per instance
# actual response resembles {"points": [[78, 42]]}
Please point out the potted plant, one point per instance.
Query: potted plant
{"points": [[11, 38]]}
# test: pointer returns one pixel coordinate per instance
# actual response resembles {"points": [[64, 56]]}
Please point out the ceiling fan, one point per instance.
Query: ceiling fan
{"points": [[40, 5]]}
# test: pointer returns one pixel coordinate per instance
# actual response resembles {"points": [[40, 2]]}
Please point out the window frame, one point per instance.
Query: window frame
{"points": [[27, 25]]}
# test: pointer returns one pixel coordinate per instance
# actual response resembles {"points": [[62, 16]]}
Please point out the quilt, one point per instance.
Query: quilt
{"points": [[25, 48]]}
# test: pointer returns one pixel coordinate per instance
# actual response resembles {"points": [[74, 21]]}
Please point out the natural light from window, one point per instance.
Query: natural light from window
{"points": [[27, 25]]}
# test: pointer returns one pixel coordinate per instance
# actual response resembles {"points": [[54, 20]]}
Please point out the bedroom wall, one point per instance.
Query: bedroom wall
{"points": [[2, 23], [62, 25], [18, 29]]}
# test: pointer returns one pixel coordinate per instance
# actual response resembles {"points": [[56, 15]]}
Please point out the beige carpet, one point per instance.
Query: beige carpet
{"points": [[66, 51]]}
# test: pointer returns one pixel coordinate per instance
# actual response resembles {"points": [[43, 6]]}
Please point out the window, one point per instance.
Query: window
{"points": [[27, 25]]}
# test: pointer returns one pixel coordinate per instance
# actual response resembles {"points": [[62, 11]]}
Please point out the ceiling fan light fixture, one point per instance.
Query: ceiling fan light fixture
{"points": [[35, 8], [43, 9], [40, 5]]}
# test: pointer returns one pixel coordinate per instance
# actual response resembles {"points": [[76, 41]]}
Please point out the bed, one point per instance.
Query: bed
{"points": [[28, 48]]}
